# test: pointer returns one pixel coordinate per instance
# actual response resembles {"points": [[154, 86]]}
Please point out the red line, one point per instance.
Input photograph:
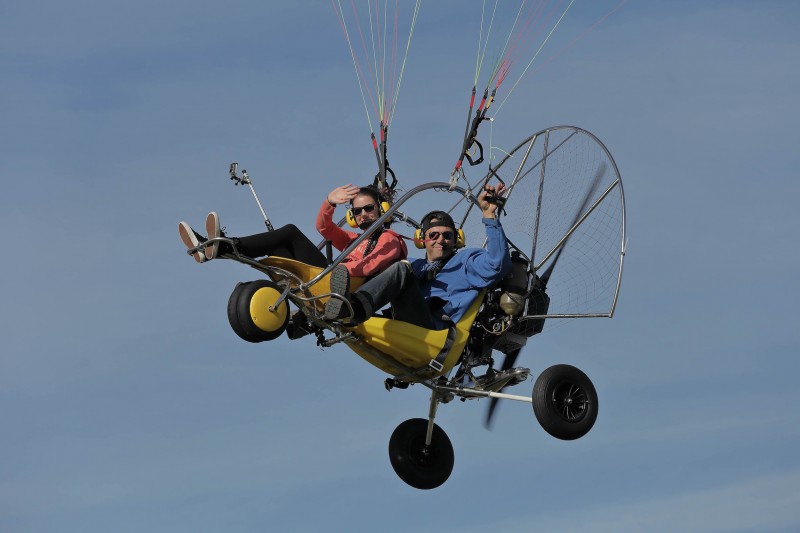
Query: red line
{"points": [[338, 17], [378, 33], [390, 95], [532, 27], [366, 59], [588, 30], [361, 35], [530, 19]]}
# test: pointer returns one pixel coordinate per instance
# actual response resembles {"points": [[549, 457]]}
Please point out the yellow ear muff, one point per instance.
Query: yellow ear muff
{"points": [[461, 240], [351, 220], [418, 242]]}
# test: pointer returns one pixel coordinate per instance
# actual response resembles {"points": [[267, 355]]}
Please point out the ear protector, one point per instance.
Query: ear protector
{"points": [[383, 206], [442, 219]]}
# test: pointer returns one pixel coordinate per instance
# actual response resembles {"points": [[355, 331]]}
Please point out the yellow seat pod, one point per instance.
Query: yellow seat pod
{"points": [[412, 347], [304, 272], [393, 346]]}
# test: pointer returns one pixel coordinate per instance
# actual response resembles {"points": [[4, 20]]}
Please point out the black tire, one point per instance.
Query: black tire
{"points": [[565, 402], [249, 315], [420, 467], [233, 318]]}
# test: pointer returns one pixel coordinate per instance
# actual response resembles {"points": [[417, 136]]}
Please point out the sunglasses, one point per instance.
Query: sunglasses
{"points": [[369, 208], [446, 235]]}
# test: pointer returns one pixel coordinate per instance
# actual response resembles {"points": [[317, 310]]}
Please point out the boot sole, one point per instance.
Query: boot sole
{"points": [[212, 230], [340, 284], [189, 239]]}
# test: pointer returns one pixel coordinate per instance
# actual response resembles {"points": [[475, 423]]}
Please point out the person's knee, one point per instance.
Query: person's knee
{"points": [[396, 272], [404, 268], [392, 270], [401, 266]]}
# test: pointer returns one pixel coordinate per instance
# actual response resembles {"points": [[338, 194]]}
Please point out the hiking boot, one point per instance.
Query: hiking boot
{"points": [[192, 240], [213, 230], [336, 308]]}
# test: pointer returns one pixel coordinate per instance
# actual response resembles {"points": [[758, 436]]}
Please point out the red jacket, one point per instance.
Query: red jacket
{"points": [[389, 249]]}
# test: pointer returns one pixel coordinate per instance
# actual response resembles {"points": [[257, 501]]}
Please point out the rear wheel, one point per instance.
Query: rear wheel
{"points": [[422, 467], [565, 402], [250, 313]]}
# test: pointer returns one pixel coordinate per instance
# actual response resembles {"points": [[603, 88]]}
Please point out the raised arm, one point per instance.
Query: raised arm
{"points": [[495, 263], [325, 224]]}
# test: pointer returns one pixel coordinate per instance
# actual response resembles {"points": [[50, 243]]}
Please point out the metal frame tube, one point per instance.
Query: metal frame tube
{"points": [[577, 224], [551, 152], [263, 213], [539, 200], [515, 180], [467, 393], [431, 416], [567, 315]]}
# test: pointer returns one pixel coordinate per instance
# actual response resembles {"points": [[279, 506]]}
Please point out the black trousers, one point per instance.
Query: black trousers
{"points": [[287, 241], [398, 286]]}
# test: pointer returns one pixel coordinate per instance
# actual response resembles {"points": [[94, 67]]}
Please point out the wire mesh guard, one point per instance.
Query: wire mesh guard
{"points": [[566, 206]]}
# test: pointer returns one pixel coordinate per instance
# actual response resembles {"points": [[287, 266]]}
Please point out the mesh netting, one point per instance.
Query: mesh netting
{"points": [[580, 187]]}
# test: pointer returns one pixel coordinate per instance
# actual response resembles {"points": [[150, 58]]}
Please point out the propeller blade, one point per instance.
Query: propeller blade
{"points": [[601, 170], [508, 362]]}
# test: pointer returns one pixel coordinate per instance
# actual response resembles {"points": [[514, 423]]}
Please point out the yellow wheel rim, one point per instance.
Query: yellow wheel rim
{"points": [[262, 317]]}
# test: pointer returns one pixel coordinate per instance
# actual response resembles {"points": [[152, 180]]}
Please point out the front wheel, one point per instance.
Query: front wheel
{"points": [[422, 467], [565, 402], [250, 311]]}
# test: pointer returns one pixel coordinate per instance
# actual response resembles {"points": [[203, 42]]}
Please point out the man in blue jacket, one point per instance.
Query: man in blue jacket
{"points": [[435, 291]]}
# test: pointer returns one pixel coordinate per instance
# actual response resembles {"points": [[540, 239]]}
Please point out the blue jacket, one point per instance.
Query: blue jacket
{"points": [[467, 272]]}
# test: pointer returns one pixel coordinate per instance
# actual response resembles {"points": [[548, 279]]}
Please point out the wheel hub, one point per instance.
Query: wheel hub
{"points": [[570, 401], [420, 453]]}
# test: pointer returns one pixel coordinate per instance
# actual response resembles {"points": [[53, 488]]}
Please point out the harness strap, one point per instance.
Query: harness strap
{"points": [[437, 363]]}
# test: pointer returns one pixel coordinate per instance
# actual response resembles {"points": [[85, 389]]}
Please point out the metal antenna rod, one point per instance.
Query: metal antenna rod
{"points": [[245, 180]]}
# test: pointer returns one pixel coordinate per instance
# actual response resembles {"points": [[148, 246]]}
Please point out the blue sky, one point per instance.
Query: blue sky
{"points": [[128, 404]]}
